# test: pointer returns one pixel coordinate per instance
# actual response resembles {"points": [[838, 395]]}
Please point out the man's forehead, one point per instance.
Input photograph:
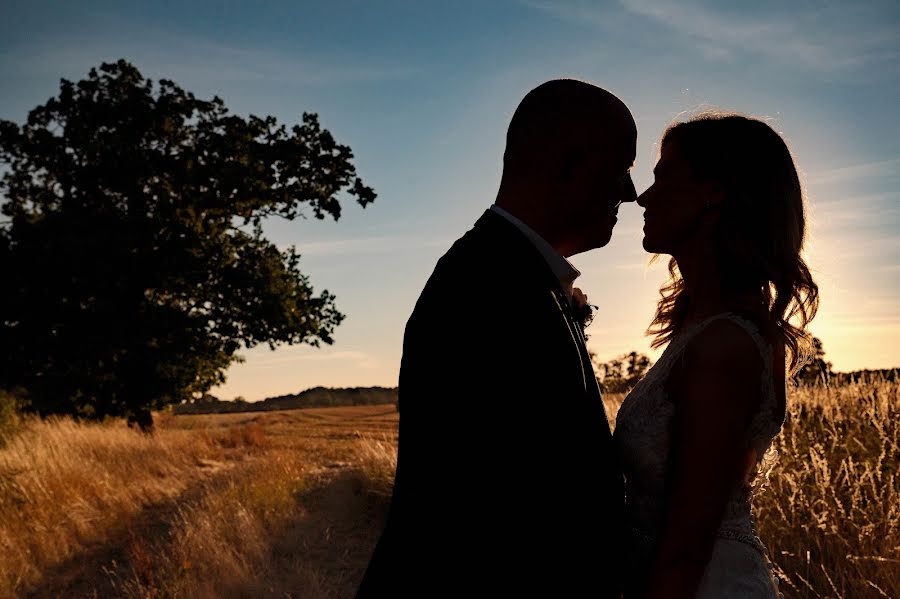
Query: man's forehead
{"points": [[621, 143]]}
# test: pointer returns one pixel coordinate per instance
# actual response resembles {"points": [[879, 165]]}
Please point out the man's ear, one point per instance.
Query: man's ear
{"points": [[566, 162]]}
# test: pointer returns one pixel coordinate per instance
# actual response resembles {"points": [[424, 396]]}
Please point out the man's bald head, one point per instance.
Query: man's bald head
{"points": [[564, 117], [569, 149]]}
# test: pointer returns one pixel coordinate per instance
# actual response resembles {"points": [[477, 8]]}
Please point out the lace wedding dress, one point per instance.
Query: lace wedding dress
{"points": [[739, 566]]}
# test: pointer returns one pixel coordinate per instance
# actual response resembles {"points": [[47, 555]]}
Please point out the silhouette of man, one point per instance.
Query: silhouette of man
{"points": [[506, 481]]}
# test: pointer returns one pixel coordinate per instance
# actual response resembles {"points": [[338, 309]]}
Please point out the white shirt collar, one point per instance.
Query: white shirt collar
{"points": [[562, 268]]}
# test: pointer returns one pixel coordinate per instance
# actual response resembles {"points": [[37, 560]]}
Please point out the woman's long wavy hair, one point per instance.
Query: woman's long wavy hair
{"points": [[761, 229]]}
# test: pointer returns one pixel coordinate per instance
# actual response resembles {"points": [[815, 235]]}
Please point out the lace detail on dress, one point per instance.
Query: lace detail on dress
{"points": [[643, 438]]}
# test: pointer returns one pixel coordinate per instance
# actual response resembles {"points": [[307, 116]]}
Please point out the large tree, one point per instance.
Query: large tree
{"points": [[816, 368], [133, 259]]}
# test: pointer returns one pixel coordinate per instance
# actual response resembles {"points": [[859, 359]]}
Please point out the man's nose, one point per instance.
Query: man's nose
{"points": [[630, 192]]}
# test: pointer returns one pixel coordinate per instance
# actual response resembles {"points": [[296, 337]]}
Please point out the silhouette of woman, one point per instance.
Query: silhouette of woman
{"points": [[727, 206]]}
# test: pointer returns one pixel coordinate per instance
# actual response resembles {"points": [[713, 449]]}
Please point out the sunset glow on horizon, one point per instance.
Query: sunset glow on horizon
{"points": [[423, 94]]}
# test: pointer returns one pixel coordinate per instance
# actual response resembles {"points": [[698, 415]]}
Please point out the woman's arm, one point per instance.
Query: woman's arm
{"points": [[715, 391]]}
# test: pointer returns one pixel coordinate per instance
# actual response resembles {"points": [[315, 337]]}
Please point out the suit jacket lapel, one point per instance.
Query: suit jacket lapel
{"points": [[532, 262], [572, 328], [566, 307], [587, 369]]}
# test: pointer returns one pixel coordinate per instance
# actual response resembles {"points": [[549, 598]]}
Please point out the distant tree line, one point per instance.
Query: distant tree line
{"points": [[819, 371], [621, 373], [318, 397]]}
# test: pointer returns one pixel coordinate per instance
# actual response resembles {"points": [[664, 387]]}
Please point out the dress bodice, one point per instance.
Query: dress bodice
{"points": [[643, 436]]}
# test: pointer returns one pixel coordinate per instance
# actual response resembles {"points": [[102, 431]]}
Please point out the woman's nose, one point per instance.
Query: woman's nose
{"points": [[646, 197]]}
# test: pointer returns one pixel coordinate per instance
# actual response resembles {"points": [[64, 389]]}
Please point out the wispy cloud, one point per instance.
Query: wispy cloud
{"points": [[856, 214], [823, 38], [855, 172], [719, 36], [853, 255], [575, 11], [370, 245], [189, 59]]}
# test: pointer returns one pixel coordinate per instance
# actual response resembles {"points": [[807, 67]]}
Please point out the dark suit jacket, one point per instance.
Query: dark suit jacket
{"points": [[507, 483]]}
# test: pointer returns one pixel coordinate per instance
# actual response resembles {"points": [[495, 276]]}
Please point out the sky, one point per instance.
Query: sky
{"points": [[423, 91]]}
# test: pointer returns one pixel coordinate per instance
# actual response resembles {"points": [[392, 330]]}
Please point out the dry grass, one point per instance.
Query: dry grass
{"points": [[290, 503], [831, 515], [65, 488], [242, 505]]}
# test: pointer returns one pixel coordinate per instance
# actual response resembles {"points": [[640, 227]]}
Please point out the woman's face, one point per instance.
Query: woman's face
{"points": [[675, 205]]}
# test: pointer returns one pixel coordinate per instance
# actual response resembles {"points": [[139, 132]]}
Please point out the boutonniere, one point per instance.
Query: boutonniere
{"points": [[582, 311]]}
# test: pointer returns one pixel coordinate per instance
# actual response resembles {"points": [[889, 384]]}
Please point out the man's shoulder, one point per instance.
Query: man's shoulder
{"points": [[496, 248], [491, 267], [473, 256]]}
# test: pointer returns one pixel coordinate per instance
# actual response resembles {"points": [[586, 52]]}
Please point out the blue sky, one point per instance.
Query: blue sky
{"points": [[423, 93]]}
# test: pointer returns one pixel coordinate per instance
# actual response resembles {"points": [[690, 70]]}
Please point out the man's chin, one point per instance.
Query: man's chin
{"points": [[602, 240]]}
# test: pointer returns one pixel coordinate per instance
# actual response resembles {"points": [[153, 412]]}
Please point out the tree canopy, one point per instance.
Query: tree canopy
{"points": [[622, 373], [133, 256]]}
